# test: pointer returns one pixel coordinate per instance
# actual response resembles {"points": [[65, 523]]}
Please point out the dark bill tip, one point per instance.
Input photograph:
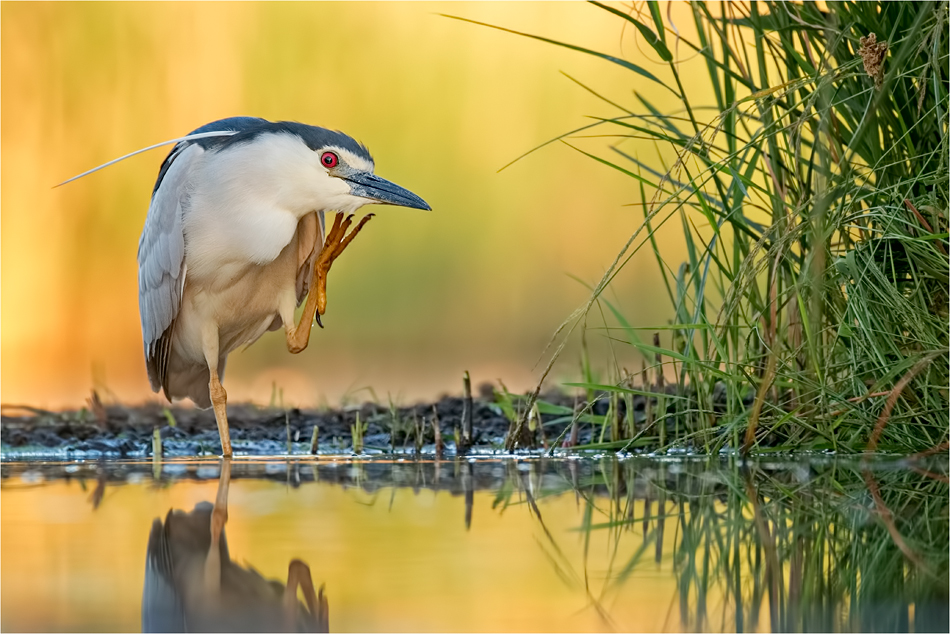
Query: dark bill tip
{"points": [[380, 190]]}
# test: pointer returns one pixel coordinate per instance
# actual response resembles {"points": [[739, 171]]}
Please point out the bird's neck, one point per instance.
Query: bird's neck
{"points": [[249, 233]]}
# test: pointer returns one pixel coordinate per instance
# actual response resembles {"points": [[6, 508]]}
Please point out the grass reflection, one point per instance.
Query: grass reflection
{"points": [[795, 547]]}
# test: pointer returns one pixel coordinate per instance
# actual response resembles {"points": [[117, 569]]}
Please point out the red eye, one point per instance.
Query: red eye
{"points": [[329, 159]]}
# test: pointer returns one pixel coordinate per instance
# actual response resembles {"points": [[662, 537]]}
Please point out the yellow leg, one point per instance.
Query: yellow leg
{"points": [[336, 241], [219, 398]]}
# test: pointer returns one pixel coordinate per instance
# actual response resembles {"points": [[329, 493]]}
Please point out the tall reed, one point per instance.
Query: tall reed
{"points": [[812, 310]]}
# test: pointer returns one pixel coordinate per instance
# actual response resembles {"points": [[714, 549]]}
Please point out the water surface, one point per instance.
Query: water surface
{"points": [[499, 545]]}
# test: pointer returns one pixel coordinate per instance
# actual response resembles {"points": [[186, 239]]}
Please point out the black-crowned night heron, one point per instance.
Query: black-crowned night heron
{"points": [[235, 239], [192, 585]]}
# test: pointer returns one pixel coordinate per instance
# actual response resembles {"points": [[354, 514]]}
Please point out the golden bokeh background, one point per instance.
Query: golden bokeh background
{"points": [[480, 283]]}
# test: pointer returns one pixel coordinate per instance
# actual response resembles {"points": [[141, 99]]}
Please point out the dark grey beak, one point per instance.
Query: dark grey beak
{"points": [[380, 190]]}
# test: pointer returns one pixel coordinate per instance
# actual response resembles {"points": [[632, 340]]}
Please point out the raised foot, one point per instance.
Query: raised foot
{"points": [[337, 240]]}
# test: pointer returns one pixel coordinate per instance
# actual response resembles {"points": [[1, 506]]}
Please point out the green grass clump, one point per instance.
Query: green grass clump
{"points": [[812, 310]]}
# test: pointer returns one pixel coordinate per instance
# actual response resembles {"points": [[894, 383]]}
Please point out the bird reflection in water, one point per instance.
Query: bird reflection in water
{"points": [[191, 583]]}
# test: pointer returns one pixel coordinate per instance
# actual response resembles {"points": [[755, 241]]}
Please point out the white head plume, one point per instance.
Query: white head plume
{"points": [[190, 137]]}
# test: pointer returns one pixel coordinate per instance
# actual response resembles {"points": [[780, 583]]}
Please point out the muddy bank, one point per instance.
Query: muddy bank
{"points": [[126, 431]]}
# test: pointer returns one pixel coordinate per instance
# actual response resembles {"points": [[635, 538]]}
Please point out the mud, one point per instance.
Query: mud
{"points": [[125, 431]]}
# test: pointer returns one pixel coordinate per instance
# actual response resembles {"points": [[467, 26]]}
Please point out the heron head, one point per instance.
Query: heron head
{"points": [[351, 175], [321, 170]]}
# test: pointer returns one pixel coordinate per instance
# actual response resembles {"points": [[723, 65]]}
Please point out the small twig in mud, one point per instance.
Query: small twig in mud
{"points": [[515, 422], [544, 436], [396, 424], [628, 428], [467, 413], [438, 439], [533, 421], [290, 445], [356, 432], [392, 434], [579, 412], [614, 417], [519, 432], [157, 444], [95, 406], [437, 433], [419, 428], [315, 440], [575, 426]]}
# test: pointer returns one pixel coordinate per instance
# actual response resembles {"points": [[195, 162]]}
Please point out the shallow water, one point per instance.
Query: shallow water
{"points": [[491, 545]]}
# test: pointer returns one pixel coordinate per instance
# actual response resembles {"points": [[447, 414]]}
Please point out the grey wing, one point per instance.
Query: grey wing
{"points": [[161, 260]]}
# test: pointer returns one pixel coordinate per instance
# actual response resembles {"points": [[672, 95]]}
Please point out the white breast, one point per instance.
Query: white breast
{"points": [[245, 202]]}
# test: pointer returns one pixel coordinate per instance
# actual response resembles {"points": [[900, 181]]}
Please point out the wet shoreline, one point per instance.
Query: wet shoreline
{"points": [[118, 431]]}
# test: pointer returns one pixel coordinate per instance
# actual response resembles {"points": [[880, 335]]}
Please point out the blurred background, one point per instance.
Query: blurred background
{"points": [[480, 283]]}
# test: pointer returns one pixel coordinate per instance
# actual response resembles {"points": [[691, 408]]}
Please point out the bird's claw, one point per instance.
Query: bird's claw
{"points": [[336, 241]]}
